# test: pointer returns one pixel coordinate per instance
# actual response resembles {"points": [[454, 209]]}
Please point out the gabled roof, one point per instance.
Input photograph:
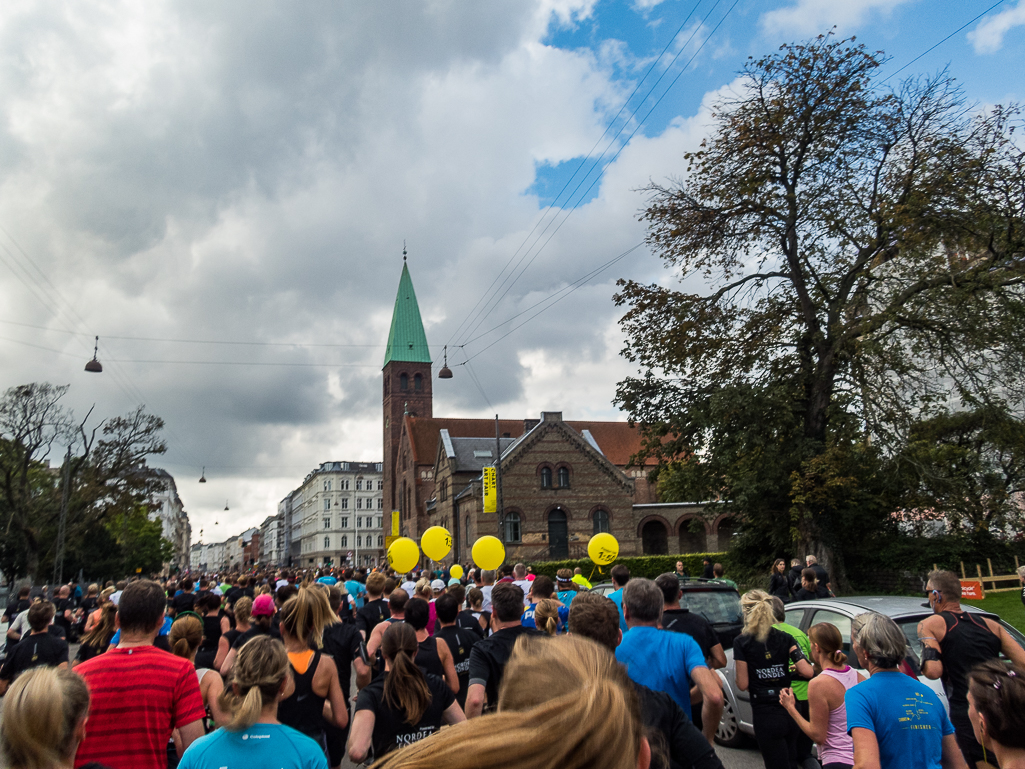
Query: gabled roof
{"points": [[406, 339], [471, 454]]}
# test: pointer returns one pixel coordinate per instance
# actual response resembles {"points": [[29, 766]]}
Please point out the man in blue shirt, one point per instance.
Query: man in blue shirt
{"points": [[620, 576], [356, 589], [666, 661], [542, 587]]}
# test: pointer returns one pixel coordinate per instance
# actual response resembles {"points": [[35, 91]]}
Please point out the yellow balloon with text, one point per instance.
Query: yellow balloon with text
{"points": [[436, 543], [403, 554], [603, 548], [456, 571], [488, 552]]}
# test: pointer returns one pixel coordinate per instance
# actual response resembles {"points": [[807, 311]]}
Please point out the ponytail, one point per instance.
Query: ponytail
{"points": [[546, 616], [305, 615], [405, 688], [261, 666], [829, 641], [759, 616], [41, 711], [186, 635]]}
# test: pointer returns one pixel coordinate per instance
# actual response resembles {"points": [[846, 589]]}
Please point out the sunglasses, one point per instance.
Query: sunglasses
{"points": [[931, 593]]}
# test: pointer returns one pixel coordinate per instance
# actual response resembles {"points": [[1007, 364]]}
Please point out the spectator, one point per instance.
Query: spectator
{"points": [[580, 579], [664, 661], [794, 575], [39, 648], [706, 572], [140, 694], [820, 573], [779, 585], [717, 572], [620, 577], [44, 719]]}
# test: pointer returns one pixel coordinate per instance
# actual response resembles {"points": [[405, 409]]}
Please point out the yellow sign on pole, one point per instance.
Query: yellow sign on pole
{"points": [[388, 541], [395, 523], [490, 491]]}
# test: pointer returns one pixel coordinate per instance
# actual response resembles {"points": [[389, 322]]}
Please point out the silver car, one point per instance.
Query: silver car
{"points": [[906, 612]]}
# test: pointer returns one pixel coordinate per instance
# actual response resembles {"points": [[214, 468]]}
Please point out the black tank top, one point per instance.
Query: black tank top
{"points": [[207, 652], [968, 642], [427, 658], [304, 710]]}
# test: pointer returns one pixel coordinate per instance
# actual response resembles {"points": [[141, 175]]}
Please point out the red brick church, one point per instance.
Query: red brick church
{"points": [[562, 481]]}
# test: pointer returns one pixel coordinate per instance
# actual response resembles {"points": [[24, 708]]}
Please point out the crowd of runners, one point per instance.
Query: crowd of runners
{"points": [[487, 669]]}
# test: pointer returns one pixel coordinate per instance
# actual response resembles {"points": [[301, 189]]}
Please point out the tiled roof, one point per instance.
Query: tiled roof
{"points": [[406, 339], [616, 440]]}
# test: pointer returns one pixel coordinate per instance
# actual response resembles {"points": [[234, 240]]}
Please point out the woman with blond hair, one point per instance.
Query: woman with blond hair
{"points": [[826, 725], [762, 655], [94, 616], [254, 736], [546, 616], [44, 719], [559, 701]]}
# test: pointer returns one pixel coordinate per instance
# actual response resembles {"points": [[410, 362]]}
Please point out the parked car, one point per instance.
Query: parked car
{"points": [[736, 721]]}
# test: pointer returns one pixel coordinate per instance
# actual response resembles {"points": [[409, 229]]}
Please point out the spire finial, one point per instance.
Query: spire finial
{"points": [[403, 250]]}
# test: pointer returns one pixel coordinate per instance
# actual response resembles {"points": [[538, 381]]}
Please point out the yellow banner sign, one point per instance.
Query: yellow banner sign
{"points": [[490, 491], [395, 523], [388, 541]]}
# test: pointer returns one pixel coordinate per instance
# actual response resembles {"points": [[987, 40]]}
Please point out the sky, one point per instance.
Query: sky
{"points": [[222, 193]]}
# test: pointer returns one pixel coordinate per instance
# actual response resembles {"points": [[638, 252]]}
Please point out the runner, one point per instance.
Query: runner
{"points": [[97, 640], [620, 575], [44, 719], [185, 638], [489, 657], [541, 588], [762, 656], [827, 724], [39, 648], [798, 685], [342, 641], [566, 588], [375, 610], [208, 607], [460, 641], [996, 696], [953, 642], [488, 578], [262, 612], [475, 600], [397, 608], [547, 617], [434, 657], [255, 737], [240, 623], [896, 722]]}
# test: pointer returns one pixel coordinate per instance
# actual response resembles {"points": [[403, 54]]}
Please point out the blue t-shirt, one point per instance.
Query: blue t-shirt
{"points": [[164, 630], [661, 660], [528, 618], [566, 597], [328, 580], [356, 590], [907, 717], [617, 599], [274, 745]]}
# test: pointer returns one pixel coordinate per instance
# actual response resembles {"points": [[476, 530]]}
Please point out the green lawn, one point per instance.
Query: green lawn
{"points": [[1007, 605]]}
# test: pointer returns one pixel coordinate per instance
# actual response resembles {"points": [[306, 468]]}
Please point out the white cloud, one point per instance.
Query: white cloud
{"points": [[813, 17], [988, 37]]}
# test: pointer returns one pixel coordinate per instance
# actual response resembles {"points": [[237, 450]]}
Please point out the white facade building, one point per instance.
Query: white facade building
{"points": [[166, 506], [272, 541], [338, 515]]}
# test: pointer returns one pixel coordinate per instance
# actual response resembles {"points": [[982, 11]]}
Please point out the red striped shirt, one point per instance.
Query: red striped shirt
{"points": [[139, 695]]}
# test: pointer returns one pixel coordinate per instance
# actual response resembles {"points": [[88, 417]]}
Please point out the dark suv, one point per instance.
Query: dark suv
{"points": [[716, 601]]}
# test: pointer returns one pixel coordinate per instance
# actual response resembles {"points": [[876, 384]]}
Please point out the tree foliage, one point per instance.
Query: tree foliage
{"points": [[860, 257]]}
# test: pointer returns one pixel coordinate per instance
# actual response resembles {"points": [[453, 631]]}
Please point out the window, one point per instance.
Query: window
{"points": [[842, 623], [444, 491], [563, 477], [359, 541], [601, 521], [344, 485], [327, 504], [345, 504], [380, 485], [403, 381], [380, 541], [512, 527], [345, 522], [359, 484], [327, 523], [327, 485], [359, 503], [466, 532], [359, 523], [345, 541], [327, 543], [380, 522], [418, 382], [546, 477], [380, 503]]}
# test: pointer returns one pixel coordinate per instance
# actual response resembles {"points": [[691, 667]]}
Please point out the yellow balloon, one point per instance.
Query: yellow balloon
{"points": [[488, 552], [403, 554], [456, 571], [603, 548], [436, 543]]}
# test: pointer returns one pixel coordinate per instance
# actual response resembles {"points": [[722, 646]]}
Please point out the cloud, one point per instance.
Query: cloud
{"points": [[988, 37], [813, 17]]}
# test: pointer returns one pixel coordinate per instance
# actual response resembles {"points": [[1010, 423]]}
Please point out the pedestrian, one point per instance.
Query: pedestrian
{"points": [[433, 656], [375, 610], [706, 571], [566, 589], [488, 578], [44, 718], [140, 694], [255, 737], [762, 655], [665, 661], [895, 721], [798, 684], [318, 696], [460, 641], [185, 638], [821, 575], [595, 617], [955, 641], [208, 607], [996, 696], [779, 585], [566, 704], [825, 724], [489, 657], [810, 586], [404, 705], [475, 599], [40, 647], [98, 639], [240, 615], [620, 575], [262, 613]]}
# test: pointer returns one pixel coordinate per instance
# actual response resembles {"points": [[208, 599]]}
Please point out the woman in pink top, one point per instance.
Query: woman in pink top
{"points": [[828, 724]]}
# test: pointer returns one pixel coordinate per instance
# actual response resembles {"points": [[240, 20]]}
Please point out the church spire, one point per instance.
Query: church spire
{"points": [[406, 339]]}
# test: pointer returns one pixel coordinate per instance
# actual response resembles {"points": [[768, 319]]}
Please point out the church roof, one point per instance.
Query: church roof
{"points": [[406, 339]]}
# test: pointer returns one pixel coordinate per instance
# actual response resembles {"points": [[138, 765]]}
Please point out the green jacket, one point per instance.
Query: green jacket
{"points": [[800, 687]]}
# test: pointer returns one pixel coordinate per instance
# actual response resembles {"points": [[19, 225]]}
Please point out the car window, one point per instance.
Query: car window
{"points": [[718, 606], [795, 617], [1013, 632], [842, 623]]}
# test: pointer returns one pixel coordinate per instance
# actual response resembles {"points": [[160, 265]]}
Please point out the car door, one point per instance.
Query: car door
{"points": [[841, 622]]}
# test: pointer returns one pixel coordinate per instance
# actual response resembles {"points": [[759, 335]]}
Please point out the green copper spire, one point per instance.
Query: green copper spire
{"points": [[406, 340]]}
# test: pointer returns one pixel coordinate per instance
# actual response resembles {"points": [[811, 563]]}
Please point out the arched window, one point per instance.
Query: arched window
{"points": [[512, 527], [546, 477], [359, 541], [327, 543], [403, 381], [380, 540], [563, 477], [345, 541], [418, 382], [601, 521]]}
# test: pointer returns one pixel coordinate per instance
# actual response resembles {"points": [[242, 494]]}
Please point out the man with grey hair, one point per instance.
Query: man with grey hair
{"points": [[521, 581], [821, 574], [894, 720], [953, 642], [664, 661]]}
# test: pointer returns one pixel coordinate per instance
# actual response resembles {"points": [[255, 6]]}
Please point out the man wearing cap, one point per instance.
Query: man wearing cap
{"points": [[438, 588]]}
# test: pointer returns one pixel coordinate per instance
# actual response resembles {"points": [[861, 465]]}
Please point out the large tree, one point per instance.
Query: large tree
{"points": [[859, 252]]}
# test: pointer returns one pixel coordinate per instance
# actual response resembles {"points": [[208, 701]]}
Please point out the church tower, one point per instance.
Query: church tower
{"points": [[407, 379]]}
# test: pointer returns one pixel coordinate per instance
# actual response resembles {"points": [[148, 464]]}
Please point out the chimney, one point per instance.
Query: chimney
{"points": [[551, 416]]}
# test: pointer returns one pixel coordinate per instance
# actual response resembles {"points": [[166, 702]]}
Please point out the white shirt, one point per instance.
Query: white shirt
{"points": [[486, 590], [280, 583], [115, 597], [524, 585]]}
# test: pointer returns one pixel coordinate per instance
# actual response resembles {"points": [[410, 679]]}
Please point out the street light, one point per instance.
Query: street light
{"points": [[94, 366]]}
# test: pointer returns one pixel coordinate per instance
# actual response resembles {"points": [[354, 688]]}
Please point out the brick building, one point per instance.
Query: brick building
{"points": [[562, 481]]}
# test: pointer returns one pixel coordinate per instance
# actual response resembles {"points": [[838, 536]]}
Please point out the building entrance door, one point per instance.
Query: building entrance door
{"points": [[558, 535]]}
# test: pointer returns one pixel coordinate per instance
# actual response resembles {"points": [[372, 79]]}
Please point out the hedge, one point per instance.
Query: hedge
{"points": [[649, 566]]}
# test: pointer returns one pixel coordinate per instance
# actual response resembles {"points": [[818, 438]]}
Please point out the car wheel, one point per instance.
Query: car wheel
{"points": [[728, 733]]}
